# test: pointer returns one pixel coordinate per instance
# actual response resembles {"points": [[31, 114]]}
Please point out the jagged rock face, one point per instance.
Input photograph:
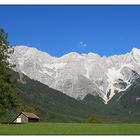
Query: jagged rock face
{"points": [[79, 74]]}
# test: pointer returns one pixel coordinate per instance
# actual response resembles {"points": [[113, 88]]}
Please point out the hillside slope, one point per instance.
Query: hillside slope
{"points": [[124, 107], [54, 106], [50, 104]]}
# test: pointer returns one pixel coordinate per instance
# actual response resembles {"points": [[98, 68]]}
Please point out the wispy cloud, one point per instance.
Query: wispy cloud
{"points": [[82, 44]]}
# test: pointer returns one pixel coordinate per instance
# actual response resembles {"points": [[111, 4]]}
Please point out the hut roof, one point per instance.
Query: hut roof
{"points": [[30, 115]]}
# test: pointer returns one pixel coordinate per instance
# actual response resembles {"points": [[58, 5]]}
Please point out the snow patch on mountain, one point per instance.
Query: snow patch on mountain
{"points": [[113, 74]]}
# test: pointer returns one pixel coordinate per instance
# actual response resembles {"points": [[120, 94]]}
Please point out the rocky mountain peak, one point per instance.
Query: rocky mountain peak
{"points": [[78, 75]]}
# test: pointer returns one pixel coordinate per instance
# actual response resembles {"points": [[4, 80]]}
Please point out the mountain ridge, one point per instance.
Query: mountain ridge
{"points": [[78, 75]]}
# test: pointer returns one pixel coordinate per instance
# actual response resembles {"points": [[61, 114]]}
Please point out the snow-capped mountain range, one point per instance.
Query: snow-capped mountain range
{"points": [[78, 75]]}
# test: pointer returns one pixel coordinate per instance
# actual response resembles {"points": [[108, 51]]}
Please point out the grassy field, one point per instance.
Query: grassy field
{"points": [[69, 129]]}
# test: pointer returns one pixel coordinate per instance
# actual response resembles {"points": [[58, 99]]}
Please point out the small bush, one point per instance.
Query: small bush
{"points": [[93, 119]]}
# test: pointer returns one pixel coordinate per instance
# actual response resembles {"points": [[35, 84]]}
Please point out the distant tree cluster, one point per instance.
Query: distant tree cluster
{"points": [[7, 93]]}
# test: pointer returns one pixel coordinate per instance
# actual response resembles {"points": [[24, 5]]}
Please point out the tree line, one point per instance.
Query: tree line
{"points": [[8, 96]]}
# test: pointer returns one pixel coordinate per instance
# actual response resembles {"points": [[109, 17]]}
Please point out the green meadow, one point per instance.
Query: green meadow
{"points": [[69, 129]]}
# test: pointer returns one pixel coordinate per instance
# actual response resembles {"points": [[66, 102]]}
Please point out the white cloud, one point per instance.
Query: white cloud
{"points": [[82, 44]]}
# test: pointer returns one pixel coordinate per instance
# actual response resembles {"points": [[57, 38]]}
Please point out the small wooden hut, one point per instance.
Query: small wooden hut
{"points": [[25, 117]]}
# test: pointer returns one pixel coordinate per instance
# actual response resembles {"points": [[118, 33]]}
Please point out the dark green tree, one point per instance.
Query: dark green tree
{"points": [[7, 93]]}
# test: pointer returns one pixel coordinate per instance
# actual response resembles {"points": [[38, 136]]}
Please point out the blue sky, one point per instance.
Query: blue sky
{"points": [[58, 30]]}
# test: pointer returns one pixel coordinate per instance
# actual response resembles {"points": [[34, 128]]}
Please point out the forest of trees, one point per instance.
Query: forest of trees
{"points": [[7, 94]]}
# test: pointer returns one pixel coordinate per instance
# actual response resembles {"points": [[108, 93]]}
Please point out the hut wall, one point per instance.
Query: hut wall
{"points": [[21, 119], [33, 120]]}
